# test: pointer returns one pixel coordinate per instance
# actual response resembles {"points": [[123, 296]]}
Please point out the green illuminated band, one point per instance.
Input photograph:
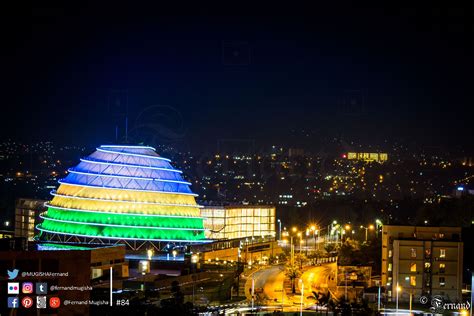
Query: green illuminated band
{"points": [[120, 232], [119, 219]]}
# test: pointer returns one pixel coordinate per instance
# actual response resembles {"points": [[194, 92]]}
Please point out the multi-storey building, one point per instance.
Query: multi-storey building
{"points": [[239, 221], [419, 260], [27, 212]]}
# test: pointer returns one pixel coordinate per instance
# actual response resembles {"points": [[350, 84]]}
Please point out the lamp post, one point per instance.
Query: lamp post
{"points": [[306, 241], [398, 291], [371, 227], [411, 299], [253, 291], [378, 299], [347, 228], [292, 251], [315, 231], [302, 297], [279, 229], [301, 239]]}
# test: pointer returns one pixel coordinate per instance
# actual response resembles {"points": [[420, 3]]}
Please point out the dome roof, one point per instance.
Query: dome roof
{"points": [[124, 192]]}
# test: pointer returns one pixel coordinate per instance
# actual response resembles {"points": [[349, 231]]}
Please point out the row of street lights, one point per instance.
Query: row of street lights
{"points": [[335, 231]]}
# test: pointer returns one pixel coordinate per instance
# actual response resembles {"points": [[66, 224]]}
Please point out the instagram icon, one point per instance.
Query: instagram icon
{"points": [[27, 288]]}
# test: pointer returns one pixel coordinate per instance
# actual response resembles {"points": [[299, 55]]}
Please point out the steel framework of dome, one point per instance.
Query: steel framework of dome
{"points": [[123, 195]]}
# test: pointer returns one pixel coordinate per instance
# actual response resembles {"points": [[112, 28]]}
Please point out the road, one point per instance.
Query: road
{"points": [[271, 281], [269, 284], [320, 277]]}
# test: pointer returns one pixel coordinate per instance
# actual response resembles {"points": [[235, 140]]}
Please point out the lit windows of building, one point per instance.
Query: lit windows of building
{"points": [[408, 249], [442, 253], [442, 282], [367, 157], [442, 268], [27, 212], [239, 221]]}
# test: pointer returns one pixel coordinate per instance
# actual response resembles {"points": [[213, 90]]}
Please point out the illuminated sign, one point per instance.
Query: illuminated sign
{"points": [[369, 157]]}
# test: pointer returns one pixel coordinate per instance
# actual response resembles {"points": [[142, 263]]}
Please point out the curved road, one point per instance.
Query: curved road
{"points": [[268, 285], [320, 277]]}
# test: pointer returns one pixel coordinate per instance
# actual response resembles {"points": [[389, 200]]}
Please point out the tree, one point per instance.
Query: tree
{"points": [[300, 259], [320, 298], [349, 253], [293, 272]]}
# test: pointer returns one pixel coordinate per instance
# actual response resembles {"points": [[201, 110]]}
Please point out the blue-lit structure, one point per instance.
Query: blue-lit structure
{"points": [[123, 194]]}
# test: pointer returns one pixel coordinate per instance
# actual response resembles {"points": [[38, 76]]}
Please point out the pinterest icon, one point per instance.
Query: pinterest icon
{"points": [[27, 302]]}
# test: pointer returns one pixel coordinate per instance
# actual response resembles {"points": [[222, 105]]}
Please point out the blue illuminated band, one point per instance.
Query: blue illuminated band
{"points": [[122, 201], [112, 213], [125, 238], [132, 154], [126, 146], [129, 165], [71, 170], [115, 225], [113, 188]]}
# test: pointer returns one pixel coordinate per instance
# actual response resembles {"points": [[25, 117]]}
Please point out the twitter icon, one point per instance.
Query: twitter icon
{"points": [[12, 274]]}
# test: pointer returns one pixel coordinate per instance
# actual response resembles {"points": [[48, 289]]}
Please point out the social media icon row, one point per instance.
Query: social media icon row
{"points": [[27, 288], [27, 302]]}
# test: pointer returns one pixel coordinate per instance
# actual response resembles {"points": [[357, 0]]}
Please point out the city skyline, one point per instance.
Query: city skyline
{"points": [[238, 160]]}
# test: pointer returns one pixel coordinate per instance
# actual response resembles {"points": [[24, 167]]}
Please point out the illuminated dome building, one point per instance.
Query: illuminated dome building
{"points": [[123, 195]]}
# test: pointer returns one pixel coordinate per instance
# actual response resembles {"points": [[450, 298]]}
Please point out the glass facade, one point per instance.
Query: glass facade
{"points": [[231, 222]]}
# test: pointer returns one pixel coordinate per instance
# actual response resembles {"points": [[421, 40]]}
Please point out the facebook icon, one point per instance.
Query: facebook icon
{"points": [[13, 302]]}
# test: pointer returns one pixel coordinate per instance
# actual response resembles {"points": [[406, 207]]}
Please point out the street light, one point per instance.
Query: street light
{"points": [[399, 289], [315, 231], [292, 248], [371, 227], [302, 297], [279, 229], [306, 240]]}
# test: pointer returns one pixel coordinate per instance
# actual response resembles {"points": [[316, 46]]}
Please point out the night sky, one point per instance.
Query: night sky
{"points": [[367, 74]]}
